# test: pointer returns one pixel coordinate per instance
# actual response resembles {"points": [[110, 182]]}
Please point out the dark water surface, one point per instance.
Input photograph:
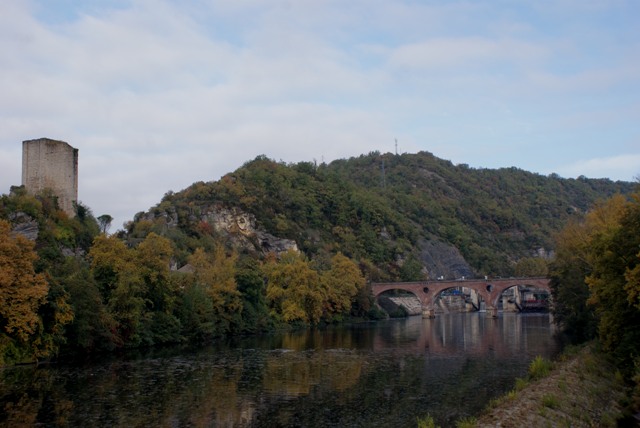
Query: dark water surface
{"points": [[381, 374]]}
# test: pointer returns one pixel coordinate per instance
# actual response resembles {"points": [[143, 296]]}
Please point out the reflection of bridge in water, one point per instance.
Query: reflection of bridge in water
{"points": [[490, 290]]}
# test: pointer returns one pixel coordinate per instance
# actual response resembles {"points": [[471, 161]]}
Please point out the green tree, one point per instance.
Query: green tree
{"points": [[120, 279], [104, 221], [93, 327], [249, 278], [531, 266], [153, 257]]}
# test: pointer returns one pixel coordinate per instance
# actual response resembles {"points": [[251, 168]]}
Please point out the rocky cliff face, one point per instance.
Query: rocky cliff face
{"points": [[24, 225], [240, 228], [443, 260], [234, 225]]}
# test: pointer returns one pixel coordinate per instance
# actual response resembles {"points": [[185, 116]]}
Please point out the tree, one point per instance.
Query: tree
{"points": [[574, 262], [215, 273], [92, 327], [531, 266], [613, 282], [293, 289], [341, 283], [104, 221], [22, 291], [119, 277], [250, 281], [153, 257]]}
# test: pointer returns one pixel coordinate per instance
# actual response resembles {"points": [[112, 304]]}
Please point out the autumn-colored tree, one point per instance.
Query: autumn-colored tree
{"points": [[294, 292], [574, 263], [612, 282], [215, 273], [341, 284], [22, 291]]}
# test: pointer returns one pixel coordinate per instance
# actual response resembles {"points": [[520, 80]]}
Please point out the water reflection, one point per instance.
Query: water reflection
{"points": [[383, 374]]}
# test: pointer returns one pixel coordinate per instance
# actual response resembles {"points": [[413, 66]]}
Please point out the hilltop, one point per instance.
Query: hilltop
{"points": [[408, 216]]}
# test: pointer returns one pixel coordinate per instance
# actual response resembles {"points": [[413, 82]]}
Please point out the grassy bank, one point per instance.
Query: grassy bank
{"points": [[581, 389]]}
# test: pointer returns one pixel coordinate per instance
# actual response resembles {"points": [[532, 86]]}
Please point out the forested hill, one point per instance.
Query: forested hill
{"points": [[405, 216]]}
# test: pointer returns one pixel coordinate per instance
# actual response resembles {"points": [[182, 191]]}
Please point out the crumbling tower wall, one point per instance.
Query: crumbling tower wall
{"points": [[51, 164]]}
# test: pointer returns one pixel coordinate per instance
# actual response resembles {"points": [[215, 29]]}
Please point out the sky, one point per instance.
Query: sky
{"points": [[159, 94]]}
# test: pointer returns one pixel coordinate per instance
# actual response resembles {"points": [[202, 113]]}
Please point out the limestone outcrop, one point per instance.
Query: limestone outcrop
{"points": [[240, 229], [25, 225], [234, 225]]}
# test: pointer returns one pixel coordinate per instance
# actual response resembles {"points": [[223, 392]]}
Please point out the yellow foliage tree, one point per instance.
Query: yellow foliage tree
{"points": [[294, 290], [22, 291], [216, 273], [341, 284]]}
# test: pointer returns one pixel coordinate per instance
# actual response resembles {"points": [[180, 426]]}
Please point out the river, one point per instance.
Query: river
{"points": [[383, 374]]}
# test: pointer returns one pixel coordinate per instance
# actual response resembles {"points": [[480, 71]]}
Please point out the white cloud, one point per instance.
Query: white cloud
{"points": [[159, 94], [621, 167], [464, 52]]}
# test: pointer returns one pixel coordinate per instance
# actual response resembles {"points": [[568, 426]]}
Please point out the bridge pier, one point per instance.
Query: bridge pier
{"points": [[428, 313], [492, 312]]}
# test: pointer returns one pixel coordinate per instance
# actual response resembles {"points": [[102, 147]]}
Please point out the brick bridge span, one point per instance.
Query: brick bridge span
{"points": [[489, 289]]}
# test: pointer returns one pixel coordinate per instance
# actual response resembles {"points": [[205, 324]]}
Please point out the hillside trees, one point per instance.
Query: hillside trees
{"points": [[595, 280]]}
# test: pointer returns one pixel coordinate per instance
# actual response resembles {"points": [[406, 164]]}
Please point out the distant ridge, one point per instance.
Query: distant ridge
{"points": [[425, 217]]}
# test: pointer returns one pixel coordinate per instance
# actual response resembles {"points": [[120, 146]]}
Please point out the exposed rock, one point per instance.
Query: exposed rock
{"points": [[240, 228], [443, 260], [188, 268], [24, 225], [68, 252], [544, 254]]}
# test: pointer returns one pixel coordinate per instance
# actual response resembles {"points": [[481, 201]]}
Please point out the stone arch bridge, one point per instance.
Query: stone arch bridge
{"points": [[490, 290]]}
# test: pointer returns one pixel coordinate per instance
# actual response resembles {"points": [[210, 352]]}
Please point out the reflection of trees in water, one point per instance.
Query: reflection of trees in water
{"points": [[313, 378], [165, 392], [291, 374]]}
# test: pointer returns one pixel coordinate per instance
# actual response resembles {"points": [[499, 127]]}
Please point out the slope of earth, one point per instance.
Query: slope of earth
{"points": [[583, 390]]}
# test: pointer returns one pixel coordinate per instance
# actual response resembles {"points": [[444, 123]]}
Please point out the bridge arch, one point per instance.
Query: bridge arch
{"points": [[490, 290]]}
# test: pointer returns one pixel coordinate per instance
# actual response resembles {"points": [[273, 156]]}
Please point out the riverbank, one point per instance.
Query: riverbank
{"points": [[581, 390]]}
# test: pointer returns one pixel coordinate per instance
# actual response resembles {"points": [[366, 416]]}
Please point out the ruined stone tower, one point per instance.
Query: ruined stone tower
{"points": [[51, 164]]}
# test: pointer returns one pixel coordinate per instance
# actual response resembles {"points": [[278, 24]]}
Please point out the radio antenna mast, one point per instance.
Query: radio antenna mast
{"points": [[396, 147]]}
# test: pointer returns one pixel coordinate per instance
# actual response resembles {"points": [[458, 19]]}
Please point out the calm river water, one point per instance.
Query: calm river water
{"points": [[381, 374]]}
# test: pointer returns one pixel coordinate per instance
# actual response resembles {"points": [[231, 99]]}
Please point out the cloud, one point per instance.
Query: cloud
{"points": [[621, 167], [464, 52], [158, 94]]}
